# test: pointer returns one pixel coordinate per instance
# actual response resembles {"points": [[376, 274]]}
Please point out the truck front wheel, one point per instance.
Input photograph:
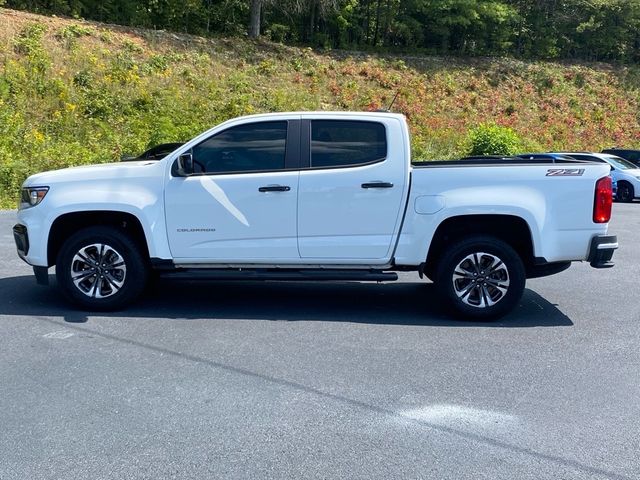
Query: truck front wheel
{"points": [[101, 268], [481, 277]]}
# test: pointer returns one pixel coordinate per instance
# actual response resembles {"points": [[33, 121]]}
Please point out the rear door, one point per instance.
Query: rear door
{"points": [[353, 188]]}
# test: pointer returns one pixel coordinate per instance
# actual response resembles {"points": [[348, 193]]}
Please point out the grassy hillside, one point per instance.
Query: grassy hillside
{"points": [[74, 92]]}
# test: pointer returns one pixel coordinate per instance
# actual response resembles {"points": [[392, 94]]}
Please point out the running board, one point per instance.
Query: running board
{"points": [[282, 275]]}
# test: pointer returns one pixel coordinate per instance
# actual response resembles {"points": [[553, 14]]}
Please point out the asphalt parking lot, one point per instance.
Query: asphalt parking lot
{"points": [[207, 380]]}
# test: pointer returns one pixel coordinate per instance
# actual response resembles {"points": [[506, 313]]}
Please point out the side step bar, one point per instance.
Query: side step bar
{"points": [[282, 275]]}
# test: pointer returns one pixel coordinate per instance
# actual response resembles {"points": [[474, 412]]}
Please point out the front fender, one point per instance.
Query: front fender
{"points": [[142, 203]]}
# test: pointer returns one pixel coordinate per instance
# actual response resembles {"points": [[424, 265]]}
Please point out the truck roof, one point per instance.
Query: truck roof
{"points": [[331, 113]]}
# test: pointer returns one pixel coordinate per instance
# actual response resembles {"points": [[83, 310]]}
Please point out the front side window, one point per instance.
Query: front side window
{"points": [[343, 143], [245, 148]]}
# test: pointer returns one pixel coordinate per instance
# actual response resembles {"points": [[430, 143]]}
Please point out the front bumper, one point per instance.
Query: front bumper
{"points": [[601, 251], [32, 226], [21, 237]]}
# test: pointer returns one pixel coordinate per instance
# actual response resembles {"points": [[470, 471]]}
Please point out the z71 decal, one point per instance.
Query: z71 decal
{"points": [[565, 172]]}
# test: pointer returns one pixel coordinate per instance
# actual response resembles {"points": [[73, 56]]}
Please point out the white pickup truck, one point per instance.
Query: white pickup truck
{"points": [[315, 196]]}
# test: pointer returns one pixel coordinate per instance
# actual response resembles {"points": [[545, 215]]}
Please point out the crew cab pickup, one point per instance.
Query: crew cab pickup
{"points": [[315, 196]]}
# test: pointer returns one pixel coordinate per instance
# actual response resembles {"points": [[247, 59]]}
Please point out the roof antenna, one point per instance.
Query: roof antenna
{"points": [[393, 101], [391, 104]]}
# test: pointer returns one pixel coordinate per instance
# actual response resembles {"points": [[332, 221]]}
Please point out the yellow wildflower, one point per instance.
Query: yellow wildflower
{"points": [[38, 136]]}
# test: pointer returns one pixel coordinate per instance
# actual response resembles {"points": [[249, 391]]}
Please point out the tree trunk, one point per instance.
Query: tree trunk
{"points": [[387, 22], [368, 24], [254, 26], [208, 16], [312, 20], [377, 29]]}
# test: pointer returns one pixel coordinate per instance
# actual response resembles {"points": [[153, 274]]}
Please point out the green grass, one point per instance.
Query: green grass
{"points": [[74, 92]]}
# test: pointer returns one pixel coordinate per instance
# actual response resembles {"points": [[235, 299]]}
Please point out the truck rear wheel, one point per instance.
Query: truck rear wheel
{"points": [[101, 268], [481, 277]]}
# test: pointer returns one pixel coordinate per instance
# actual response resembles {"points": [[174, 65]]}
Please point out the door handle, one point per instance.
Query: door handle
{"points": [[274, 188], [377, 185]]}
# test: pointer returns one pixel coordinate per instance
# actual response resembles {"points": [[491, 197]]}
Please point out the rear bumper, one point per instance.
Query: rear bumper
{"points": [[601, 251]]}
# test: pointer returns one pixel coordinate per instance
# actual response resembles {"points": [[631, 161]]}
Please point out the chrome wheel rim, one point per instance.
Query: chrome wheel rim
{"points": [[481, 280], [98, 270]]}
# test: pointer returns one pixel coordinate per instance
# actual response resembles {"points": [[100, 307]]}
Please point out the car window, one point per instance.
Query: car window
{"points": [[342, 143], [619, 163], [246, 148], [588, 158], [159, 151], [537, 156], [631, 155]]}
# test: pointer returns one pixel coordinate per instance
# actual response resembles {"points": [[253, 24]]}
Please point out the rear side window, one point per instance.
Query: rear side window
{"points": [[245, 148], [344, 143]]}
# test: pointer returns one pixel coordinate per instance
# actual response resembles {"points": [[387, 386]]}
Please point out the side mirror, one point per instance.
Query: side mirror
{"points": [[185, 164]]}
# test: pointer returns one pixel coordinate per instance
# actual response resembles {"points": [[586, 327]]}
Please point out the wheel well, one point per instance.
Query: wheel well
{"points": [[508, 228], [625, 182], [66, 225]]}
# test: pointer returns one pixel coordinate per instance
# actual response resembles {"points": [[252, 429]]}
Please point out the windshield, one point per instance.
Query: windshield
{"points": [[619, 163]]}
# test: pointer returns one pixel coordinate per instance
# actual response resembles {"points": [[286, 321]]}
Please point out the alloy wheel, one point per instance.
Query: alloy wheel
{"points": [[481, 280], [98, 270]]}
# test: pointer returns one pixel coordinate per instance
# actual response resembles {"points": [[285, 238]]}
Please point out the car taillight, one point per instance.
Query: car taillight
{"points": [[604, 200]]}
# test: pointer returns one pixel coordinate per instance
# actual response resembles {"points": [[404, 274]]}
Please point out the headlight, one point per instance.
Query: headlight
{"points": [[32, 196]]}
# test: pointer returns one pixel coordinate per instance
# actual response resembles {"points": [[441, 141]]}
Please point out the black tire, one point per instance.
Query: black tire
{"points": [[625, 192], [122, 280], [479, 295]]}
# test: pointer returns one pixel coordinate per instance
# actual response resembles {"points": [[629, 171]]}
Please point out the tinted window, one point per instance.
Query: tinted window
{"points": [[251, 147], [337, 143], [588, 158], [548, 158], [536, 156], [631, 155], [619, 163], [159, 151]]}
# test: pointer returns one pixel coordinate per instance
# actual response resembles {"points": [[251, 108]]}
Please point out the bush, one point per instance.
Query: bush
{"points": [[29, 41], [74, 31], [493, 140], [278, 33]]}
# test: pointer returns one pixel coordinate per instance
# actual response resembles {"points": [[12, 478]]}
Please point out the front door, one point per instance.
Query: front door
{"points": [[240, 205]]}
